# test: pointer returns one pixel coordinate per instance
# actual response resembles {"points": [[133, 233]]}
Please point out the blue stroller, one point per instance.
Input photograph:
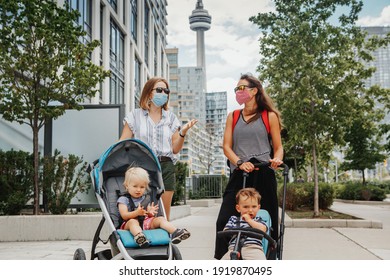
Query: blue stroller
{"points": [[242, 233], [107, 175]]}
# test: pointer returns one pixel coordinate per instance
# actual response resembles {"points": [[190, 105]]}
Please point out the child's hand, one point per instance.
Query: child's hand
{"points": [[246, 217], [140, 210], [152, 209]]}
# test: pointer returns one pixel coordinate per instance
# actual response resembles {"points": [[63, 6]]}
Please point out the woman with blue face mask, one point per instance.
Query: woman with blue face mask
{"points": [[160, 129]]}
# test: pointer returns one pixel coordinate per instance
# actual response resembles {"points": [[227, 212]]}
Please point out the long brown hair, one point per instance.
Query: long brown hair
{"points": [[147, 92], [263, 101]]}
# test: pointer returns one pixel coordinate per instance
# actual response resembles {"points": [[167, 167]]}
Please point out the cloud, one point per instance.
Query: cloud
{"points": [[382, 20]]}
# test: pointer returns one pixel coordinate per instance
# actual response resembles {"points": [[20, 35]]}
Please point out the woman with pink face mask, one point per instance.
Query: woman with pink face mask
{"points": [[249, 142]]}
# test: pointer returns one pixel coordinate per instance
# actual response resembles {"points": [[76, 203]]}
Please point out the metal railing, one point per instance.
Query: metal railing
{"points": [[206, 186]]}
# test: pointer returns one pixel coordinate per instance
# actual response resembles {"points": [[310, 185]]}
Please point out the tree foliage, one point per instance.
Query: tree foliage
{"points": [[62, 178], [43, 63], [364, 149], [181, 170], [315, 71], [16, 181]]}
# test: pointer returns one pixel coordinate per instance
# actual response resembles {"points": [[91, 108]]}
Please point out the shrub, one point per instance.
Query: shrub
{"points": [[376, 193], [384, 185], [296, 195], [16, 181], [358, 191], [350, 191], [325, 195], [62, 179], [302, 195]]}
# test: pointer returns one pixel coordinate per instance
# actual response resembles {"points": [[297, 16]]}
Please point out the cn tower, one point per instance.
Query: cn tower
{"points": [[200, 21]]}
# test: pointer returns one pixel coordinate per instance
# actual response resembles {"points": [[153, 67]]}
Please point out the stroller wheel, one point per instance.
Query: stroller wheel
{"points": [[79, 255], [176, 253]]}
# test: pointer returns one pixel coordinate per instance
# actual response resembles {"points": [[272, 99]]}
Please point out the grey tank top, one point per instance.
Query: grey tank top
{"points": [[250, 140]]}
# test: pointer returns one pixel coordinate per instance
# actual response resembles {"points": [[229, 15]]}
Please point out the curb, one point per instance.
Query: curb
{"points": [[81, 226]]}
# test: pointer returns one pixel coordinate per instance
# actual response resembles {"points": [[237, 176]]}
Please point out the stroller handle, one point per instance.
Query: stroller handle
{"points": [[249, 232], [262, 164], [267, 164]]}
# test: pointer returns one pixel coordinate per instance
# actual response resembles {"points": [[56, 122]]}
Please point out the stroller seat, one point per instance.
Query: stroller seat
{"points": [[157, 237], [243, 233], [266, 217]]}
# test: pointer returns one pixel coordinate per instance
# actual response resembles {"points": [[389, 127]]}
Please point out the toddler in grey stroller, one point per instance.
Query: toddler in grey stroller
{"points": [[108, 176]]}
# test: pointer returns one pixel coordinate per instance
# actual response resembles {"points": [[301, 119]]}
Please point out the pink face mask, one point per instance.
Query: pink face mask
{"points": [[242, 96]]}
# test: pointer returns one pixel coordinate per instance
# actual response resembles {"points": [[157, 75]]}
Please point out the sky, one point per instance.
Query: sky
{"points": [[232, 43]]}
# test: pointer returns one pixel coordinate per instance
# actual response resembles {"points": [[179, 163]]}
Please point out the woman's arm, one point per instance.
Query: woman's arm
{"points": [[228, 140], [177, 140], [276, 140], [126, 133]]}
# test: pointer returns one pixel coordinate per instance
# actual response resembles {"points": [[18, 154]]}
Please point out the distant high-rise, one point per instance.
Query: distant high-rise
{"points": [[381, 76], [200, 21], [202, 147], [381, 62]]}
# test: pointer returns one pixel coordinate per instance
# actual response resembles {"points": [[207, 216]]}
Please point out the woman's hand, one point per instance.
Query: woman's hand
{"points": [[275, 162], [187, 126], [247, 167]]}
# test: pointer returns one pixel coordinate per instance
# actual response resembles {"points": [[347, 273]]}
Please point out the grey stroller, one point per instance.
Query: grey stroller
{"points": [[107, 175]]}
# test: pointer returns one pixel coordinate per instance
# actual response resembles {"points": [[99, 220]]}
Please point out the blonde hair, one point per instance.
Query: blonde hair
{"points": [[247, 193], [147, 92], [136, 173]]}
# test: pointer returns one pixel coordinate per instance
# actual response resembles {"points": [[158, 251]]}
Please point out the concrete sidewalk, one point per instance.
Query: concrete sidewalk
{"points": [[299, 243]]}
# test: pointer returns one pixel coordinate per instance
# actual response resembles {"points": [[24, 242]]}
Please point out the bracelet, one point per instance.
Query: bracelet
{"points": [[181, 135]]}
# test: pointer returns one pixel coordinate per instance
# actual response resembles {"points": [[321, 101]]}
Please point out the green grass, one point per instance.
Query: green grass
{"points": [[305, 213]]}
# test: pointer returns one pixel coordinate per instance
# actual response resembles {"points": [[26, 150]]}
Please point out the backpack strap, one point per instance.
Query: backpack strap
{"points": [[264, 117], [236, 116]]}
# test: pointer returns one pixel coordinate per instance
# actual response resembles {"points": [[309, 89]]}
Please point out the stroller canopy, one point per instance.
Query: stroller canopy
{"points": [[121, 155]]}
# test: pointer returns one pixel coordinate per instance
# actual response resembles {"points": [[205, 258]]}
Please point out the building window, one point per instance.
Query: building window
{"points": [[85, 19], [137, 81], [162, 63], [114, 5], [117, 58], [146, 33], [117, 90], [134, 19]]}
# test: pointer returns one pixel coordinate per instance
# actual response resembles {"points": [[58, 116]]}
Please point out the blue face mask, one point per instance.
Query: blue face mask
{"points": [[159, 99]]}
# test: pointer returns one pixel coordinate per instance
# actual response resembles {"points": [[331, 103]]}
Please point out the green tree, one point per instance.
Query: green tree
{"points": [[181, 174], [315, 72], [364, 149], [43, 62]]}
